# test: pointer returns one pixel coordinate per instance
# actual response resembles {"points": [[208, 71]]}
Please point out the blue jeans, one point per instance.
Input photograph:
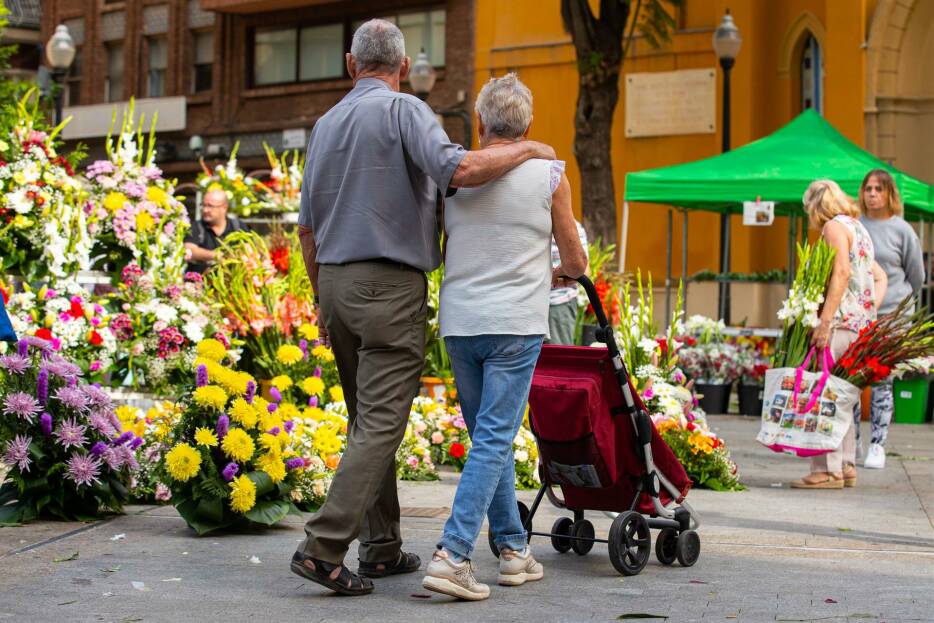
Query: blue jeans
{"points": [[493, 374]]}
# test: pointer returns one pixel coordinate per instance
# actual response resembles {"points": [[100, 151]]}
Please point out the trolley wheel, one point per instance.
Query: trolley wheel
{"points": [[562, 527], [630, 543], [582, 529], [666, 546], [523, 515], [688, 548]]}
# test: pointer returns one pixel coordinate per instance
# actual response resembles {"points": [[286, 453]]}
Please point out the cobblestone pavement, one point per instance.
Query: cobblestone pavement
{"points": [[768, 554]]}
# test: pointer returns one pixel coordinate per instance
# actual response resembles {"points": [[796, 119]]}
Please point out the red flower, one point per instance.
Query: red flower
{"points": [[95, 338], [457, 450], [44, 334], [663, 345], [76, 311], [280, 259]]}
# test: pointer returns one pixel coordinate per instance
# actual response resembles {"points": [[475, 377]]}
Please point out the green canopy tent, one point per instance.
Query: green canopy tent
{"points": [[775, 168]]}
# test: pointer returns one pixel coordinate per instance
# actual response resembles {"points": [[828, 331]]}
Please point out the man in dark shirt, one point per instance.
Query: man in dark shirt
{"points": [[206, 235]]}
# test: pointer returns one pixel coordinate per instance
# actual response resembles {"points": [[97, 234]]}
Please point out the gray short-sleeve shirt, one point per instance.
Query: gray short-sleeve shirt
{"points": [[374, 165]]}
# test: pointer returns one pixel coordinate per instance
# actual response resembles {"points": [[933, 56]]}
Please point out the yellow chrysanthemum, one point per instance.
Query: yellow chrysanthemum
{"points": [[114, 201], [242, 413], [308, 331], [313, 413], [269, 442], [272, 464], [337, 393], [269, 421], [282, 382], [242, 494], [131, 420], [260, 406], [700, 443], [313, 386], [210, 396], [205, 437], [289, 354], [144, 222], [323, 353], [157, 195], [211, 349], [238, 445], [288, 411], [183, 462]]}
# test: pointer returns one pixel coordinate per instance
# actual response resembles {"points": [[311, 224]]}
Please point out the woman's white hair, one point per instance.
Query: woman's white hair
{"points": [[504, 105], [378, 45]]}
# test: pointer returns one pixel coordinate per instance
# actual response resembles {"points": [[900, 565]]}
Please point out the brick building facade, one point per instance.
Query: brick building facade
{"points": [[248, 70]]}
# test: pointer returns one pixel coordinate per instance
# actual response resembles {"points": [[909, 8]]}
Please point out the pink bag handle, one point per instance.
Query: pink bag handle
{"points": [[827, 365]]}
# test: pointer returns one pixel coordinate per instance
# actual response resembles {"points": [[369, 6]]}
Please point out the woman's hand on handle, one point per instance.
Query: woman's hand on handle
{"points": [[820, 338]]}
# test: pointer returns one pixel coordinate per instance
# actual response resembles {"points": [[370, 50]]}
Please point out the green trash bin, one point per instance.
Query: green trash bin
{"points": [[911, 401]]}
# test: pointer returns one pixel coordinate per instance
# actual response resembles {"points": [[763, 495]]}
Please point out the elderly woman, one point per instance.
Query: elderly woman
{"points": [[856, 287], [898, 252], [494, 316]]}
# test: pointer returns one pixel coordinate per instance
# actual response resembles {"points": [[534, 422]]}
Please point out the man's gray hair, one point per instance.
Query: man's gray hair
{"points": [[505, 106], [378, 45]]}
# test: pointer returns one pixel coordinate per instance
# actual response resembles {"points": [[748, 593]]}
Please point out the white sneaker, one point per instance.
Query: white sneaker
{"points": [[517, 568], [453, 578], [876, 457]]}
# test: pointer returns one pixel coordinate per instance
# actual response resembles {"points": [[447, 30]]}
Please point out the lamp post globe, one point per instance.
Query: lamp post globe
{"points": [[422, 76], [726, 44], [60, 50]]}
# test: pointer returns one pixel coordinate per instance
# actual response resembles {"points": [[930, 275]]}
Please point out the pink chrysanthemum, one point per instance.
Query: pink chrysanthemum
{"points": [[83, 469], [70, 434], [72, 397], [17, 453], [21, 405], [14, 364]]}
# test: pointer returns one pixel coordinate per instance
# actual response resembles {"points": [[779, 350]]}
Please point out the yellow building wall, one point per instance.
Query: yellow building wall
{"points": [[527, 36]]}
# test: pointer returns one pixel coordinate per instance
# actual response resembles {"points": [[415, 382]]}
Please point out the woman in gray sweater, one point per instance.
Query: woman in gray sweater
{"points": [[898, 251]]}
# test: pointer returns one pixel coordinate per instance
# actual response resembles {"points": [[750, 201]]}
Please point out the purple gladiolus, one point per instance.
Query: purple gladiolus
{"points": [[22, 347], [295, 463], [250, 392], [45, 420], [42, 386], [271, 407], [275, 394], [313, 401], [274, 430], [137, 442], [303, 344], [99, 448], [202, 376], [289, 426], [122, 439], [230, 471], [223, 425], [318, 371]]}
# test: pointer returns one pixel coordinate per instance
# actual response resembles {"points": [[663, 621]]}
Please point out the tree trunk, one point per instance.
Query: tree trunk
{"points": [[593, 122]]}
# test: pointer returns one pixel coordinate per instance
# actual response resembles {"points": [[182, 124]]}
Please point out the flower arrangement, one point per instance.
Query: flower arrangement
{"points": [[713, 364], [437, 361], [799, 312], [72, 321], [142, 221], [234, 460], [263, 304], [525, 454], [45, 223], [241, 189], [282, 193], [895, 338], [413, 459], [154, 428], [157, 327], [752, 359], [321, 435], [704, 455], [61, 439], [606, 284]]}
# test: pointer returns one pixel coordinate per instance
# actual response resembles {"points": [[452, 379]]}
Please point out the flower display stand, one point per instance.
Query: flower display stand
{"points": [[714, 398]]}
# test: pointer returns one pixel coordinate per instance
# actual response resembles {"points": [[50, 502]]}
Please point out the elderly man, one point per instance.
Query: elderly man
{"points": [[377, 164], [206, 235]]}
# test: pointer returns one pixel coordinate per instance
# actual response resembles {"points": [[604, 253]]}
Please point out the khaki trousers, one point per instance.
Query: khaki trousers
{"points": [[846, 453], [375, 314]]}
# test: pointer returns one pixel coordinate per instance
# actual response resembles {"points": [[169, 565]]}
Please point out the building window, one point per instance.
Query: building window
{"points": [[812, 76], [158, 61], [203, 66], [321, 52], [72, 93], [305, 53], [113, 84]]}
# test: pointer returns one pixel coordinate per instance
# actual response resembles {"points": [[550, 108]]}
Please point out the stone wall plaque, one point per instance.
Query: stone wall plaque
{"points": [[671, 102]]}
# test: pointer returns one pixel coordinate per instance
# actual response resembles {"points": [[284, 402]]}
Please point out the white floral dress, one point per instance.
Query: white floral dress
{"points": [[857, 309]]}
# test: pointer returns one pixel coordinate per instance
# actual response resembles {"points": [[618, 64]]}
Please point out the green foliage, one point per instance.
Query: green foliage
{"points": [[708, 470], [775, 275], [437, 361]]}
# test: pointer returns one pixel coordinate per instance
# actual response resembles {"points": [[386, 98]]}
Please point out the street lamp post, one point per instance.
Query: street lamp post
{"points": [[60, 52], [726, 45], [422, 77]]}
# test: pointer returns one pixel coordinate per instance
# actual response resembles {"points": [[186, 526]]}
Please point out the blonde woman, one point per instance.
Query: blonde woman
{"points": [[898, 252], [856, 287]]}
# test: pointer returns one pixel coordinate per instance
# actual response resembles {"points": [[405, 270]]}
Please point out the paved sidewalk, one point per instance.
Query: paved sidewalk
{"points": [[768, 554]]}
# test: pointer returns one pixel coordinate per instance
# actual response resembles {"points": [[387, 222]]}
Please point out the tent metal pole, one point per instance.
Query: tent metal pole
{"points": [[684, 256], [792, 236], [668, 266], [922, 230], [623, 237]]}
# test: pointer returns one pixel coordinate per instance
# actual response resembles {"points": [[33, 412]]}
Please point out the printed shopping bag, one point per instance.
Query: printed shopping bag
{"points": [[806, 413]]}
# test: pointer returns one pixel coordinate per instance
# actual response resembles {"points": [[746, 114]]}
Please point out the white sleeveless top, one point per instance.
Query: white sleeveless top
{"points": [[497, 272]]}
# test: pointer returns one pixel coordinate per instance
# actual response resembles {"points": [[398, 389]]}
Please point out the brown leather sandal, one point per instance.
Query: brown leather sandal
{"points": [[320, 572], [815, 481], [849, 476]]}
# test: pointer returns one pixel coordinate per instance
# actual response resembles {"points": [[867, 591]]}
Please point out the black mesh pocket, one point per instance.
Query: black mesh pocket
{"points": [[577, 463]]}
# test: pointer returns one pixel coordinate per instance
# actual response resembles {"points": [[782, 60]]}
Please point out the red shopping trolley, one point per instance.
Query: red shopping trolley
{"points": [[598, 445]]}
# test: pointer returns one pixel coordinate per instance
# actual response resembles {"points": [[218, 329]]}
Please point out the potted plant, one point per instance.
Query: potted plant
{"points": [[752, 365], [713, 368]]}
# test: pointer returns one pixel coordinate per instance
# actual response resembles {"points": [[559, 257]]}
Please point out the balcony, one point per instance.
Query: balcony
{"points": [[259, 6]]}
